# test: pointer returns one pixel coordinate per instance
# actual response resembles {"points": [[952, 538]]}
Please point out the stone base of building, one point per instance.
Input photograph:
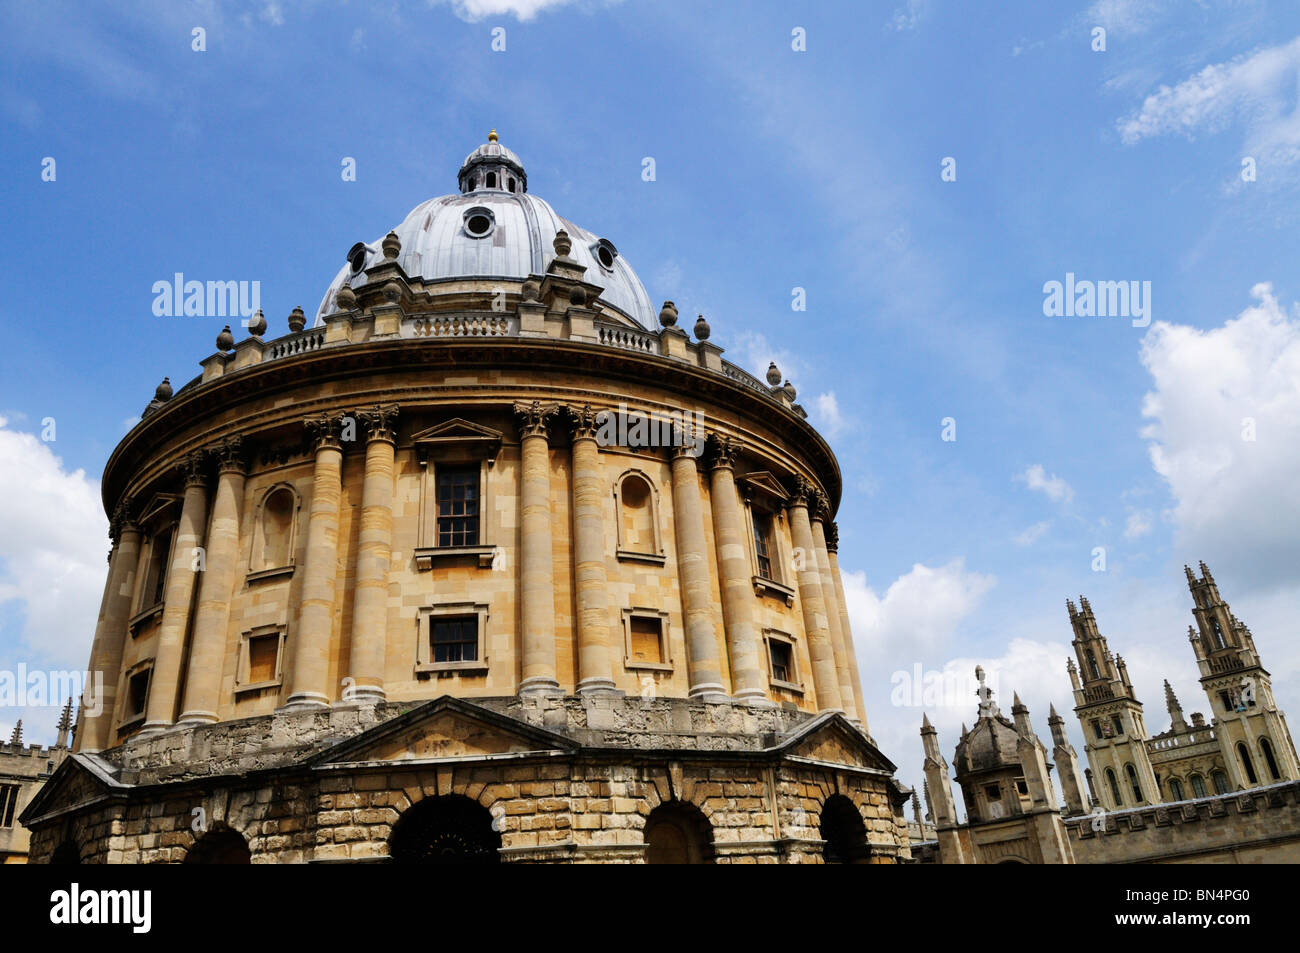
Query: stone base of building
{"points": [[600, 779]]}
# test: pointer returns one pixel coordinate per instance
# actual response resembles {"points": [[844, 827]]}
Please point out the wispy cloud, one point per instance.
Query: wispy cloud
{"points": [[1053, 487], [1033, 534]]}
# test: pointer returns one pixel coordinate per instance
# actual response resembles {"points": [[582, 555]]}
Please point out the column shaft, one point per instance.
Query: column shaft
{"points": [[850, 649], [100, 700], [826, 677], [374, 554], [212, 617], [743, 643], [843, 668], [595, 663], [316, 610], [703, 670], [537, 572], [164, 686]]}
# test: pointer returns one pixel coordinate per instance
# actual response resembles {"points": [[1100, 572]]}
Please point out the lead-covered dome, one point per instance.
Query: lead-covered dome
{"points": [[493, 228]]}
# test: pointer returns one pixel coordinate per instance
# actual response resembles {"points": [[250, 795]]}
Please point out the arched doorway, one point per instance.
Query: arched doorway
{"points": [[678, 833], [219, 846], [450, 829], [65, 854], [844, 832]]}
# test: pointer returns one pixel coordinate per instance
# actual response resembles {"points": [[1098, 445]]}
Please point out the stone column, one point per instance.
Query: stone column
{"points": [[595, 664], [99, 700], [311, 641], [374, 552], [743, 643], [850, 650], [816, 625], [703, 669], [164, 686], [212, 617], [537, 573], [843, 669]]}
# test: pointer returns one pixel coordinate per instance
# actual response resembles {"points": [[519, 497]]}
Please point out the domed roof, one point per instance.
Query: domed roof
{"points": [[493, 228], [991, 744]]}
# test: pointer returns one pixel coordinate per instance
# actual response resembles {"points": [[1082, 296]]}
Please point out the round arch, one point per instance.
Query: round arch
{"points": [[678, 832], [221, 845], [445, 829], [843, 831]]}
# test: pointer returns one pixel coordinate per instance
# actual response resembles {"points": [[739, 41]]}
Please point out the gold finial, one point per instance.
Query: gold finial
{"points": [[492, 136]]}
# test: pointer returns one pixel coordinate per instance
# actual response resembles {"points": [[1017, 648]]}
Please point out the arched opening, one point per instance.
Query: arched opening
{"points": [[1220, 782], [1114, 787], [1092, 665], [1133, 783], [844, 832], [636, 515], [512, 183], [678, 833], [1246, 763], [1198, 785], [66, 854], [1267, 748], [277, 527], [220, 846], [449, 829], [471, 184], [1175, 789], [491, 182]]}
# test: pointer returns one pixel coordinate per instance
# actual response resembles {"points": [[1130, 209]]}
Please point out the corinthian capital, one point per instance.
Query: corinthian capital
{"points": [[725, 451], [803, 493], [534, 417], [230, 454], [380, 422], [586, 421], [324, 431], [832, 537], [193, 469]]}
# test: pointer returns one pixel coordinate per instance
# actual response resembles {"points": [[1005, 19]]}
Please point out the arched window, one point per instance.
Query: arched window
{"points": [[274, 543], [638, 517], [1092, 665], [1133, 782], [843, 831], [1220, 782], [678, 833], [491, 182], [512, 183], [1198, 785], [219, 846], [1218, 634], [471, 184], [1267, 748], [448, 829], [1246, 763], [1114, 787], [1175, 789]]}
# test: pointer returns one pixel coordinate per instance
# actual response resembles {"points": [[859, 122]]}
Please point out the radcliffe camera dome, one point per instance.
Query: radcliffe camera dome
{"points": [[494, 229]]}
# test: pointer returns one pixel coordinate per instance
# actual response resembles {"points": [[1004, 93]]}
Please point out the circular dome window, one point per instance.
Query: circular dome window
{"points": [[605, 253], [357, 257], [479, 222]]}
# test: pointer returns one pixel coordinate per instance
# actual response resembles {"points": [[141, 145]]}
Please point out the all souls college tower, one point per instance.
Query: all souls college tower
{"points": [[384, 589]]}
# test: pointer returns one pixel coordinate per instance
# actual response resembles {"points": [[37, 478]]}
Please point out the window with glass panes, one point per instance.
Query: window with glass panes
{"points": [[763, 544], [458, 506], [8, 804], [782, 660], [454, 639]]}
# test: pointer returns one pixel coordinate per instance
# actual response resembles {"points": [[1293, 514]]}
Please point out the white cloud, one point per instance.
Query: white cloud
{"points": [[910, 14], [826, 412], [752, 351], [1138, 524], [1257, 90], [919, 610], [52, 566], [1123, 16], [273, 14], [1237, 499], [1033, 534], [523, 10], [1053, 487]]}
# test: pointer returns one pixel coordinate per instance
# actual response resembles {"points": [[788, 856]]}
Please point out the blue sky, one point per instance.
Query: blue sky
{"points": [[775, 169]]}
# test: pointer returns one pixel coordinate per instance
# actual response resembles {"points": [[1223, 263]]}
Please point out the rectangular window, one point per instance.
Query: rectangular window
{"points": [[782, 660], [137, 693], [1022, 787], [993, 792], [646, 634], [454, 639], [458, 506], [1096, 728], [156, 583], [763, 544], [263, 654], [8, 804], [1118, 724]]}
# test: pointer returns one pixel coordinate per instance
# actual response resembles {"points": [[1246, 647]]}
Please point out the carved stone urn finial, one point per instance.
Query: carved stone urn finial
{"points": [[668, 314], [257, 326], [562, 244], [773, 374], [701, 329], [789, 391], [297, 319], [225, 340], [346, 298], [391, 246], [164, 391]]}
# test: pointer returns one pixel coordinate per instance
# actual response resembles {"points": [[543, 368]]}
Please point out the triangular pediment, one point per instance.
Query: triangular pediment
{"points": [[459, 433], [446, 728], [162, 508], [762, 481], [80, 780], [833, 740]]}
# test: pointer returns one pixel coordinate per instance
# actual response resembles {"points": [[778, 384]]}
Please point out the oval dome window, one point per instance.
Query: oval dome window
{"points": [[478, 221]]}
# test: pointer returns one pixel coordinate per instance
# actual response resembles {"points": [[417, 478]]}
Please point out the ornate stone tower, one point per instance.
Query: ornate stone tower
{"points": [[1067, 763], [938, 787], [1111, 716], [1251, 731]]}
